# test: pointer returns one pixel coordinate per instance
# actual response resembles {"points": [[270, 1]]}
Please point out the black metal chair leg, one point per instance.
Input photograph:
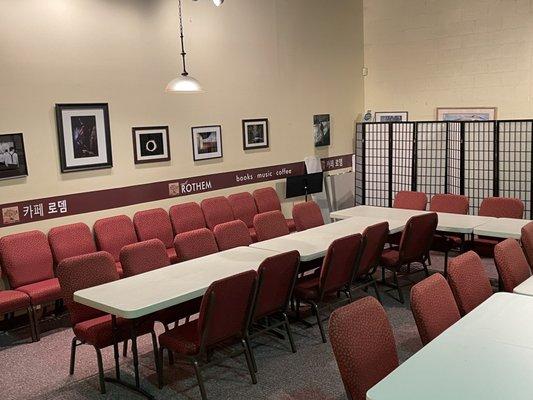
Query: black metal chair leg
{"points": [[160, 370], [125, 348], [100, 370], [400, 293], [115, 346], [36, 325], [170, 357], [156, 352], [289, 333], [135, 359], [445, 263], [251, 352], [319, 321], [200, 379], [73, 346], [426, 269], [249, 360], [31, 319]]}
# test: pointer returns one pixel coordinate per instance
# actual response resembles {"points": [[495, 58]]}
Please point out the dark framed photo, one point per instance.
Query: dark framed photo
{"points": [[12, 156], [84, 136], [255, 133], [206, 142], [391, 116], [150, 144], [321, 126]]}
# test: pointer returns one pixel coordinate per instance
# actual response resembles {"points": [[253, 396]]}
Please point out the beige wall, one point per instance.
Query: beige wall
{"points": [[423, 54], [281, 59]]}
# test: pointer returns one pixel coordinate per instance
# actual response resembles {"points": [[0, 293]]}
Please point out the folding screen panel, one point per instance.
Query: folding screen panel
{"points": [[402, 167], [376, 177], [454, 168], [431, 158], [359, 167]]}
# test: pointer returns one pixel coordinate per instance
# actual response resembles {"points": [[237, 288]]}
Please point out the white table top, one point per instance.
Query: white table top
{"points": [[313, 243], [502, 228], [165, 287], [525, 288], [487, 355]]}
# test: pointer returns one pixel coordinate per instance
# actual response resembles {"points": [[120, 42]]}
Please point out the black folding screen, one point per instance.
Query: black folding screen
{"points": [[477, 159]]}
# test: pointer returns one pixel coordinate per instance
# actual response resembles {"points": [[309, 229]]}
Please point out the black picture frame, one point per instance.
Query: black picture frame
{"points": [[322, 130], [66, 162], [149, 130], [13, 165], [257, 121], [391, 116], [214, 155]]}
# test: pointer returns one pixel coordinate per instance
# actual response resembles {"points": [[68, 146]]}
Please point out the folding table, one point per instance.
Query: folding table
{"points": [[502, 228]]}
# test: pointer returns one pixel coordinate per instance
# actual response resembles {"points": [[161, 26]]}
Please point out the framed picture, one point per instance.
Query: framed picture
{"points": [[206, 142], [12, 156], [84, 136], [391, 116], [321, 125], [466, 113], [254, 133], [150, 144]]}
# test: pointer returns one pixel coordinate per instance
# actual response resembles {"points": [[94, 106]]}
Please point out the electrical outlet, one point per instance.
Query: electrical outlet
{"points": [[365, 71]]}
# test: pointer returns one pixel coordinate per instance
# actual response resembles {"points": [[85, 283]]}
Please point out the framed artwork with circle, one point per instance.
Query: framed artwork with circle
{"points": [[255, 133], [150, 144], [206, 142]]}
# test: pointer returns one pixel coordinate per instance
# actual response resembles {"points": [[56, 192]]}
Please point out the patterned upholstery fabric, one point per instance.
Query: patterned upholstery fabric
{"points": [[270, 225], [244, 208], [363, 344], [186, 217], [449, 203], [469, 281], [374, 239], [13, 300], [410, 200], [433, 307], [42, 292], [527, 242], [267, 200], [232, 234], [154, 224], [183, 339], [307, 215], [71, 240], [194, 244], [217, 210], [26, 258], [417, 237], [502, 207], [113, 233], [172, 255], [141, 257], [511, 263], [253, 234]]}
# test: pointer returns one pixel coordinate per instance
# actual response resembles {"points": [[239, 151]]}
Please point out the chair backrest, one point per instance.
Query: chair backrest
{"points": [[71, 240], [502, 207], [138, 258], [269, 225], [194, 244], [527, 242], [26, 258], [186, 217], [217, 210], [307, 215], [232, 234], [339, 264], [363, 343], [469, 281], [449, 203], [154, 224], [82, 272], [410, 200], [266, 200], [417, 237], [373, 242], [225, 308], [277, 276], [433, 307], [511, 264], [244, 208], [113, 233]]}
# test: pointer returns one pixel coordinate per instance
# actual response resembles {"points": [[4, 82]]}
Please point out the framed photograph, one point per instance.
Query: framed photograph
{"points": [[255, 133], [391, 116], [321, 126], [150, 144], [84, 136], [206, 142], [12, 156], [466, 113]]}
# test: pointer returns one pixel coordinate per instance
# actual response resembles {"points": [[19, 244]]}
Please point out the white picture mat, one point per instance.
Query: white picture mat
{"points": [[260, 144], [379, 114], [139, 133], [206, 156]]}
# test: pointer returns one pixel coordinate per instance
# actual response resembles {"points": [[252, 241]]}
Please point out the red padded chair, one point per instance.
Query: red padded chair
{"points": [[187, 217], [27, 261], [112, 234], [217, 210], [363, 344], [194, 244], [433, 307], [232, 234], [410, 200], [336, 275], [91, 326], [307, 215], [527, 242], [277, 276], [267, 200], [469, 282], [414, 248], [511, 264], [224, 316], [270, 225], [71, 240], [244, 208], [13, 300], [155, 224]]}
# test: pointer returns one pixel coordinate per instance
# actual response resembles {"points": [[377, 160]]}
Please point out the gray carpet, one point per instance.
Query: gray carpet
{"points": [[40, 370]]}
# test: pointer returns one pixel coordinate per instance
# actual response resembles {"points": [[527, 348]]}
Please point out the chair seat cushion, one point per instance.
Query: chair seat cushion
{"points": [[42, 292], [307, 289], [13, 300], [390, 258], [183, 339], [291, 225], [171, 253], [484, 245], [253, 234], [445, 242], [178, 312]]}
